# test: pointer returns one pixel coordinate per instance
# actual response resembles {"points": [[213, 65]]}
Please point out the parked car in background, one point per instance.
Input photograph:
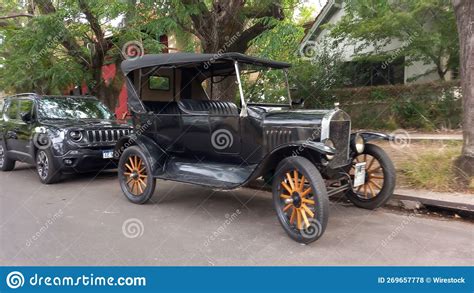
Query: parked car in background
{"points": [[58, 134], [200, 138]]}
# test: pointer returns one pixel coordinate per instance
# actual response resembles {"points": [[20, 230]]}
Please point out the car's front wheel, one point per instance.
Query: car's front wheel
{"points": [[379, 181], [300, 199], [6, 164], [135, 176], [46, 169]]}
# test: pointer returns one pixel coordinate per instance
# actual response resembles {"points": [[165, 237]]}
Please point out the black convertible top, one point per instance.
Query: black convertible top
{"points": [[195, 60]]}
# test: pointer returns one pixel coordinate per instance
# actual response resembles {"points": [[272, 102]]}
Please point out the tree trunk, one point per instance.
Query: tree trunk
{"points": [[464, 10]]}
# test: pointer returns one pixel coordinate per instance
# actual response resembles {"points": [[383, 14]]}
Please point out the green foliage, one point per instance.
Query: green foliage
{"points": [[417, 106], [426, 27], [433, 170]]}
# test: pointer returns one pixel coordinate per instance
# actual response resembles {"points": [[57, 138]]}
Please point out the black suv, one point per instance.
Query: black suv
{"points": [[58, 134]]}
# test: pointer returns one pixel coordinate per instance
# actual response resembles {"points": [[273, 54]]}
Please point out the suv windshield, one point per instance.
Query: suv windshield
{"points": [[72, 108]]}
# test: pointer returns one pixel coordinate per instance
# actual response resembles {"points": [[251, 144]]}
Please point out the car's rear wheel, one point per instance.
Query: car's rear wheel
{"points": [[300, 199], [379, 182], [46, 169], [135, 176], [6, 164]]}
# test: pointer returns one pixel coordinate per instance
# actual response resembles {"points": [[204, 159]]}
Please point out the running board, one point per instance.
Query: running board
{"points": [[210, 174]]}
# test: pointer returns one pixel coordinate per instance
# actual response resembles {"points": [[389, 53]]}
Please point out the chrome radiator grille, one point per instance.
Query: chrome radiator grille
{"points": [[339, 133], [107, 135]]}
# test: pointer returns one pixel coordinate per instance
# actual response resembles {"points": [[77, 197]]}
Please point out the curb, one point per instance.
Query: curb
{"points": [[410, 202], [407, 202]]}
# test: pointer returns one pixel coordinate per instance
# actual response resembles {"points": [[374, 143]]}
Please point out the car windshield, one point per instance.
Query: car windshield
{"points": [[72, 108], [264, 85]]}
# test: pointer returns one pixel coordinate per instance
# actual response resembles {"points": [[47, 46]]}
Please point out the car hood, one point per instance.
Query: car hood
{"points": [[285, 117], [87, 123]]}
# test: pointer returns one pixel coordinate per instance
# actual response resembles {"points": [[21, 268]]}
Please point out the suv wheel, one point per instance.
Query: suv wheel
{"points": [[6, 164], [300, 199], [48, 173], [135, 176], [379, 179]]}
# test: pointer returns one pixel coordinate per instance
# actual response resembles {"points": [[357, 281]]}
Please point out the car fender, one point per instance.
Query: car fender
{"points": [[370, 136], [154, 153], [311, 150]]}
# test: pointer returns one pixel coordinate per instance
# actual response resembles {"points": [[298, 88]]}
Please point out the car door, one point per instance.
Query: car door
{"points": [[24, 129], [11, 116]]}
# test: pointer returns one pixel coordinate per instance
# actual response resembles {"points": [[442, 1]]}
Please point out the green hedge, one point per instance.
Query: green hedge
{"points": [[426, 106]]}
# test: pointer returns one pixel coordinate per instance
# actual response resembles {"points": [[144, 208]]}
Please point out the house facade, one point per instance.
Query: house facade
{"points": [[393, 70]]}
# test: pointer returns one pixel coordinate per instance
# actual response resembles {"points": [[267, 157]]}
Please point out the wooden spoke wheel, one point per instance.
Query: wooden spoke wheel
{"points": [[135, 178], [379, 178], [374, 177], [300, 199], [137, 175], [296, 199]]}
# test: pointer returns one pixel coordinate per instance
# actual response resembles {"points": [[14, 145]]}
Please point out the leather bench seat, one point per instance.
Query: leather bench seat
{"points": [[211, 107]]}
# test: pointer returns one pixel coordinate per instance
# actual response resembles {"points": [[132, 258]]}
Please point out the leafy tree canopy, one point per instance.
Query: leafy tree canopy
{"points": [[427, 29]]}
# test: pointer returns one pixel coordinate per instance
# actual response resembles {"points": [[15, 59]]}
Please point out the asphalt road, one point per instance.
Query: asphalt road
{"points": [[85, 220]]}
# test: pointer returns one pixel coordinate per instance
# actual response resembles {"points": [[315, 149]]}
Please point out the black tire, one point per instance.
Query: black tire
{"points": [[370, 195], [6, 164], [135, 177], [46, 168], [317, 202]]}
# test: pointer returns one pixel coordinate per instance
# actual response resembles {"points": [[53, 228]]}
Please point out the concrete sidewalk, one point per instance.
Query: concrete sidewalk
{"points": [[446, 200]]}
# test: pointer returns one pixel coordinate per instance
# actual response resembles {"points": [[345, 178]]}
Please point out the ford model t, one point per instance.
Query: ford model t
{"points": [[223, 121]]}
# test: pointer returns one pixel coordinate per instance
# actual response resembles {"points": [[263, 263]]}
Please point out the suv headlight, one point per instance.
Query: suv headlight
{"points": [[358, 144], [328, 142], [76, 135]]}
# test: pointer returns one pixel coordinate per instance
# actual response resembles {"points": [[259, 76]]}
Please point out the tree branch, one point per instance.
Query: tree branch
{"points": [[17, 15]]}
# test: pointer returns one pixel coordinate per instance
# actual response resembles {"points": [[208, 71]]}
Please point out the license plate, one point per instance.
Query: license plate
{"points": [[359, 175], [108, 154]]}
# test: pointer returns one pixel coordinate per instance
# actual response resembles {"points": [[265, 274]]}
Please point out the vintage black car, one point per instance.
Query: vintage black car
{"points": [[58, 134], [185, 131]]}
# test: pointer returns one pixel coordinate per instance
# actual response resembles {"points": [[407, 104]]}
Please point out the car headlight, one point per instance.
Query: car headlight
{"points": [[76, 135], [329, 143], [358, 144]]}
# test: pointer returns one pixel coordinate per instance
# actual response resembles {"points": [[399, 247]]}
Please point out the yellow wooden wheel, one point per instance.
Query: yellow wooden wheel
{"points": [[296, 197], [136, 175]]}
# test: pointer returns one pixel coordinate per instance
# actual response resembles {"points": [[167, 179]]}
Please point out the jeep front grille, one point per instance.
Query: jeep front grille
{"points": [[339, 133], [106, 136]]}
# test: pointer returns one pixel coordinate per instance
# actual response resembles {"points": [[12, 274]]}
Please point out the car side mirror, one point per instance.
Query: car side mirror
{"points": [[26, 117]]}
